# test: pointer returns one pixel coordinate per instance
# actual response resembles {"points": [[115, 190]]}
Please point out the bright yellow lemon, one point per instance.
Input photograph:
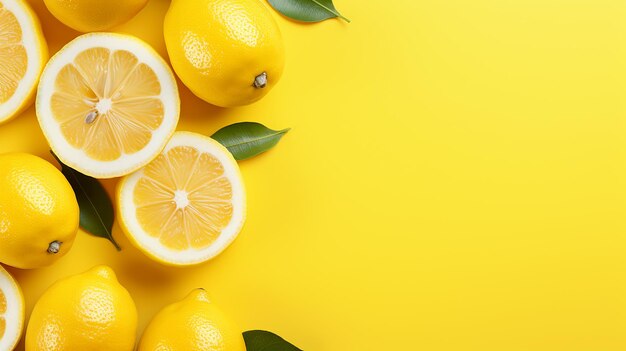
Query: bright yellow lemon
{"points": [[38, 212], [94, 15], [194, 323], [228, 52], [89, 311]]}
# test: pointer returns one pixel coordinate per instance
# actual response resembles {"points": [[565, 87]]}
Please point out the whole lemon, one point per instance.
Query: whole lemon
{"points": [[227, 52], [193, 324], [94, 15], [38, 212], [88, 311]]}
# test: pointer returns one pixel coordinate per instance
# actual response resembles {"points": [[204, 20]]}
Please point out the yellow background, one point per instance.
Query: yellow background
{"points": [[454, 180]]}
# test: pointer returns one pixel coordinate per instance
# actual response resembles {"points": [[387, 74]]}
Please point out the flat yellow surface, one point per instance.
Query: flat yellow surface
{"points": [[455, 180]]}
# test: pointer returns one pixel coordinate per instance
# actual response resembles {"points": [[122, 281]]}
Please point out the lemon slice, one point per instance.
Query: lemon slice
{"points": [[187, 205], [108, 104], [11, 311], [23, 53]]}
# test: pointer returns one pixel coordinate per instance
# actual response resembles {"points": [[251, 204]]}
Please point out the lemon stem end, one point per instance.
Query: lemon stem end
{"points": [[260, 81], [54, 247]]}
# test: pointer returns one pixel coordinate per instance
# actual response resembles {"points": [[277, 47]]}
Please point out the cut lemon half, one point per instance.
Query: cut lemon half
{"points": [[23, 53], [187, 205], [11, 311], [108, 104]]}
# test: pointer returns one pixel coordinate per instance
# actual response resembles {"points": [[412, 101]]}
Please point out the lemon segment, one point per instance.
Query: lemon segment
{"points": [[23, 52], [11, 311], [187, 205], [107, 103]]}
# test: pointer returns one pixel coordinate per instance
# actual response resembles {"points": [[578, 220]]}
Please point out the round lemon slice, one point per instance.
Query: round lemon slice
{"points": [[11, 311], [23, 53], [187, 205], [108, 104]]}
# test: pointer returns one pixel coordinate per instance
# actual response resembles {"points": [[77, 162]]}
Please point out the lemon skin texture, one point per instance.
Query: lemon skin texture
{"points": [[88, 311], [94, 15], [193, 324], [39, 214], [227, 52]]}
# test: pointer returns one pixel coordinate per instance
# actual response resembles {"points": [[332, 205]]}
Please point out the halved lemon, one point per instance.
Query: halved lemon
{"points": [[23, 53], [11, 311], [108, 104], [187, 205]]}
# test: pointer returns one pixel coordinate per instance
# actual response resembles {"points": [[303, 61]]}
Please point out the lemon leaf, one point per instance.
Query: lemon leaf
{"points": [[96, 209], [261, 340], [307, 10], [248, 139]]}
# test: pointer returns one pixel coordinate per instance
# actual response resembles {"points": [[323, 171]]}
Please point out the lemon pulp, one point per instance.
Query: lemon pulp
{"points": [[107, 103], [184, 198], [13, 57]]}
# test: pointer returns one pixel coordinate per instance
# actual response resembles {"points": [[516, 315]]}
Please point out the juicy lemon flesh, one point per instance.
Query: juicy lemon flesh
{"points": [[107, 103], [3, 310], [13, 57], [184, 199]]}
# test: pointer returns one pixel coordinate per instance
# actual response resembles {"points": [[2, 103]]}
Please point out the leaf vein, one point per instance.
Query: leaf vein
{"points": [[250, 141]]}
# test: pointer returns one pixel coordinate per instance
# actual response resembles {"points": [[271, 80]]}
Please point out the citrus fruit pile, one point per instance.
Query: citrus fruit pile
{"points": [[108, 106]]}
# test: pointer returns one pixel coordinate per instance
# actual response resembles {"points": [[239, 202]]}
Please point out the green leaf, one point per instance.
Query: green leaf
{"points": [[261, 340], [96, 210], [248, 139], [307, 10]]}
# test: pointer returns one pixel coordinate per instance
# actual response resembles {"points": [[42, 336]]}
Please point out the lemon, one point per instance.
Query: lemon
{"points": [[88, 311], [23, 53], [193, 324], [227, 52], [187, 205], [94, 15], [38, 212], [11, 311], [108, 104]]}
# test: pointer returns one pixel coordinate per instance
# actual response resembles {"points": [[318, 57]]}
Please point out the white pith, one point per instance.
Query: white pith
{"points": [[181, 199], [14, 313], [31, 43], [151, 245], [77, 158], [103, 106]]}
